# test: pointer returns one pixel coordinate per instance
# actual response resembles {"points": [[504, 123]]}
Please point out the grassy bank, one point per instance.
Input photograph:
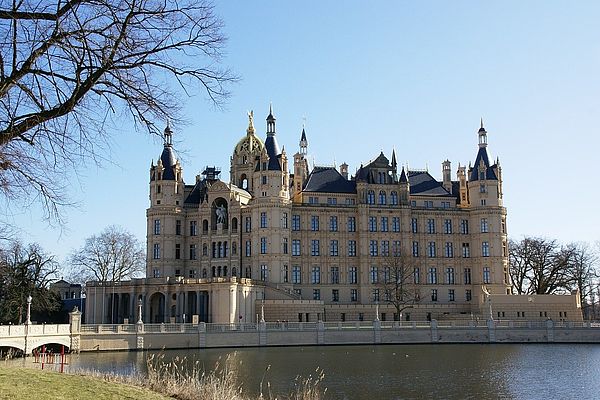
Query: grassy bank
{"points": [[27, 383]]}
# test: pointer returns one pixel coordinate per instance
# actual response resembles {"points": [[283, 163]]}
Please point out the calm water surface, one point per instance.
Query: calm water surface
{"points": [[499, 371]]}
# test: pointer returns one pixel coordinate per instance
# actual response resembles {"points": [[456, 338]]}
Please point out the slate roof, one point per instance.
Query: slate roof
{"points": [[328, 180], [482, 155], [422, 183], [168, 160], [197, 193], [273, 152]]}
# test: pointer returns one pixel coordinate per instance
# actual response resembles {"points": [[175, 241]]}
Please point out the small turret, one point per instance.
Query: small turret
{"points": [[446, 175], [344, 170], [404, 187]]}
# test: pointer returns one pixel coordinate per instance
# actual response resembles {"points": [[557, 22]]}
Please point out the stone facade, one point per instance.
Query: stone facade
{"points": [[320, 244]]}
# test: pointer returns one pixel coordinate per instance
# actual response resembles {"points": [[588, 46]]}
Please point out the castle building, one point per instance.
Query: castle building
{"points": [[321, 244]]}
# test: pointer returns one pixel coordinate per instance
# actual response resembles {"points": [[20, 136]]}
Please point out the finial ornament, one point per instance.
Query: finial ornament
{"points": [[250, 129], [482, 123]]}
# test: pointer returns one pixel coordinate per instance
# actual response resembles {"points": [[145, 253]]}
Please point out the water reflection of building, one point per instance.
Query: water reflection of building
{"points": [[316, 243]]}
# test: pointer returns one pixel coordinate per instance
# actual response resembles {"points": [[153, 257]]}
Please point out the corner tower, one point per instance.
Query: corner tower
{"points": [[246, 154]]}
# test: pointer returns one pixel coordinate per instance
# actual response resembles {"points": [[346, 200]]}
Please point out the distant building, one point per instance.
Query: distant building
{"points": [[71, 295], [314, 244]]}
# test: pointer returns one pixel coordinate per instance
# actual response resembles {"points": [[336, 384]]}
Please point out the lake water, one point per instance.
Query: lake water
{"points": [[473, 371]]}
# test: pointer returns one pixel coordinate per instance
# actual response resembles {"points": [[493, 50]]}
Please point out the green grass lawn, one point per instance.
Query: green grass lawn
{"points": [[26, 383]]}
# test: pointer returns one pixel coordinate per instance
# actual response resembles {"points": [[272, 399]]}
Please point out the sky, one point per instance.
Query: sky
{"points": [[366, 77]]}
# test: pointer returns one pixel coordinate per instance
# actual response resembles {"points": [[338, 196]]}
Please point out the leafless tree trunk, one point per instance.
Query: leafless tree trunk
{"points": [[399, 289], [112, 256], [70, 69]]}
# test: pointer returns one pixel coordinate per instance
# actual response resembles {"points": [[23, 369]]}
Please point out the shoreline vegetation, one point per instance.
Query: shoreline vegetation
{"points": [[164, 380]]}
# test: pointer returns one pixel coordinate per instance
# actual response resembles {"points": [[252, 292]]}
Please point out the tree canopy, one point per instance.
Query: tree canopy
{"points": [[69, 69]]}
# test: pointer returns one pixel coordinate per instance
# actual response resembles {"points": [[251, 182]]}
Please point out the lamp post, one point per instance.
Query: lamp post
{"points": [[139, 321], [28, 321]]}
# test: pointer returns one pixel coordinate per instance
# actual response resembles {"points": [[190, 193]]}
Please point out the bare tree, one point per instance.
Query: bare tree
{"points": [[112, 256], [69, 69], [520, 258], [26, 271], [583, 274], [399, 289]]}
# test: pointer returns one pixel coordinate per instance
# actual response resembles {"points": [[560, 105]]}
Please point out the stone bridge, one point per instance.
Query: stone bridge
{"points": [[28, 337]]}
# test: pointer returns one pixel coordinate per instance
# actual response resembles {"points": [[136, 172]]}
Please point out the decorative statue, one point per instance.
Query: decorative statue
{"points": [[221, 214]]}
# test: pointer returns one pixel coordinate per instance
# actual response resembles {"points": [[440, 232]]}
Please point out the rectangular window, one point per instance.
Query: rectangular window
{"points": [[448, 226], [468, 295], [450, 294], [157, 226], [333, 223], [351, 248], [248, 224], [192, 273], [156, 251], [284, 220], [467, 276], [466, 252], [503, 226], [295, 222], [433, 294], [248, 248], [296, 275], [264, 273], [351, 224], [335, 295], [430, 225], [314, 247], [314, 222], [484, 225], [464, 227], [386, 274], [485, 249], [385, 248], [178, 227], [414, 225], [193, 228], [373, 248], [445, 204], [285, 277], [416, 276], [372, 224], [296, 247], [333, 248], [316, 294], [486, 275], [315, 276], [450, 276], [415, 249], [352, 275], [373, 275], [395, 224], [353, 295], [332, 201], [384, 224], [375, 295], [193, 252], [263, 219], [177, 251], [335, 275], [396, 250], [263, 245], [449, 250], [284, 246], [432, 276], [156, 273], [431, 249], [313, 200]]}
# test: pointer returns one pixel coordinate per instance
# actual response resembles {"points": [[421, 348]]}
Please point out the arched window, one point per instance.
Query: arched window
{"points": [[234, 223], [370, 197], [205, 226], [214, 271], [394, 198], [244, 182], [219, 270], [233, 271], [225, 270], [204, 273], [382, 199], [204, 249]]}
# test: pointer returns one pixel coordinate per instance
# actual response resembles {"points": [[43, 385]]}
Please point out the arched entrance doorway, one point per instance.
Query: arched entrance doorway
{"points": [[157, 308]]}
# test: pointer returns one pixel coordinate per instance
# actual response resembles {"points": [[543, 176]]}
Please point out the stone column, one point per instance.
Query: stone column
{"points": [[320, 332], [434, 330], [491, 330], [377, 331], [550, 330], [75, 329]]}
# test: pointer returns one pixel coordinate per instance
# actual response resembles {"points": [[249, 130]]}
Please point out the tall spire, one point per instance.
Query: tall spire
{"points": [[482, 133], [270, 122], [303, 142], [394, 163], [168, 134]]}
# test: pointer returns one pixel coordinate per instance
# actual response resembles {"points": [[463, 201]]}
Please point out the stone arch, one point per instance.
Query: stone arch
{"points": [[157, 307], [234, 223], [243, 181]]}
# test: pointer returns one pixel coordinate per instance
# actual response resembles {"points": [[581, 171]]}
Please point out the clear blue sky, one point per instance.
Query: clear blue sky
{"points": [[371, 76]]}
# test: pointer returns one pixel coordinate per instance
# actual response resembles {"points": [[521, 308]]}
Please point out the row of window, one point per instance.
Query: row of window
{"points": [[218, 250], [387, 295], [383, 224], [376, 275]]}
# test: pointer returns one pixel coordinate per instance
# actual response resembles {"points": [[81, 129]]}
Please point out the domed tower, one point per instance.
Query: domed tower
{"points": [[245, 157], [166, 205]]}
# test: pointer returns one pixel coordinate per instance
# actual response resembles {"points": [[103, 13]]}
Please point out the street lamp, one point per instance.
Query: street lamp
{"points": [[139, 321], [28, 322]]}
